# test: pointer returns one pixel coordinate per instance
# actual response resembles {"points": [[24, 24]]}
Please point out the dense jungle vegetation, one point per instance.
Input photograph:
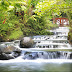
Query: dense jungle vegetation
{"points": [[20, 18]]}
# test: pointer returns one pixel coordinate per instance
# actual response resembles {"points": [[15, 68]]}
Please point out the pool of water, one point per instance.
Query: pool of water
{"points": [[36, 67]]}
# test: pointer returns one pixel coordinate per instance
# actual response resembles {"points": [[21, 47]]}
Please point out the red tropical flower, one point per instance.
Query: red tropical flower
{"points": [[4, 21]]}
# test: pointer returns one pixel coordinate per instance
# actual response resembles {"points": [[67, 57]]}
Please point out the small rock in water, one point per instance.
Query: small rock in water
{"points": [[30, 55], [16, 53], [71, 56], [26, 42]]}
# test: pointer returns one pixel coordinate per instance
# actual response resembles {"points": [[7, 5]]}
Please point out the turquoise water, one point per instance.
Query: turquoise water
{"points": [[35, 67]]}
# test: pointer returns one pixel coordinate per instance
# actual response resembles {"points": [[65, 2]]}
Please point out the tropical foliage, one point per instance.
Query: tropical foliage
{"points": [[30, 17]]}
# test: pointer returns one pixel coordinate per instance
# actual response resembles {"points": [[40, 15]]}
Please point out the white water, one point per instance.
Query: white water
{"points": [[17, 60], [45, 41]]}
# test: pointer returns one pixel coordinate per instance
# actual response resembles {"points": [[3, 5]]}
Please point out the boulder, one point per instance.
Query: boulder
{"points": [[26, 42], [4, 56], [9, 52], [8, 49]]}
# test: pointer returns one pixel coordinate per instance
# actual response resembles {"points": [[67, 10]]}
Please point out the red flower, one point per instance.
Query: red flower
{"points": [[4, 21]]}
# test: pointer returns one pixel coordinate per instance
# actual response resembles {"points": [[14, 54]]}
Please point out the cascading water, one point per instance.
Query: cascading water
{"points": [[48, 51], [47, 55], [58, 40]]}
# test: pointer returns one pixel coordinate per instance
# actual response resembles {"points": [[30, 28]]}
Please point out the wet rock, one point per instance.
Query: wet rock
{"points": [[8, 49], [2, 47], [9, 52], [58, 54], [4, 56], [16, 53], [26, 42], [71, 56], [31, 55]]}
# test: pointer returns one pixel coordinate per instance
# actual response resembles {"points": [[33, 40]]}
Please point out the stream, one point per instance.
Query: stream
{"points": [[51, 53]]}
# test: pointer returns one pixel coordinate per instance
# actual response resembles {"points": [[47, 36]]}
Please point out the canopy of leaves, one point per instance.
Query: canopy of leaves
{"points": [[53, 7], [28, 23]]}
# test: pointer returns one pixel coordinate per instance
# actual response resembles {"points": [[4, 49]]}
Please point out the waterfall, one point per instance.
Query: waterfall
{"points": [[44, 46], [47, 55]]}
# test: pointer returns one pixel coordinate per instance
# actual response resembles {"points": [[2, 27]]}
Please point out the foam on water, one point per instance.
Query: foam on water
{"points": [[19, 60]]}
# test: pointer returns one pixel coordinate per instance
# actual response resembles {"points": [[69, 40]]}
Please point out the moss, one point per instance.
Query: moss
{"points": [[15, 34]]}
